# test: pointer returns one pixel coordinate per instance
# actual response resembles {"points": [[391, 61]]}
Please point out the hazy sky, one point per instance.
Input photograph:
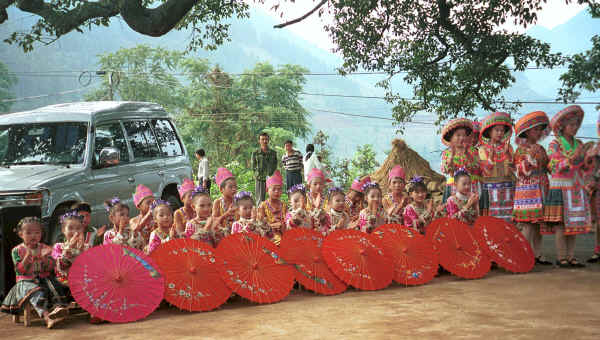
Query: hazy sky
{"points": [[555, 12]]}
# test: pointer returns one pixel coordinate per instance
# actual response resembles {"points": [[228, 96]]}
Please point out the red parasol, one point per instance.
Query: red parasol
{"points": [[459, 250], [116, 283], [302, 248], [358, 259], [434, 227], [252, 268], [193, 282], [415, 261], [505, 244]]}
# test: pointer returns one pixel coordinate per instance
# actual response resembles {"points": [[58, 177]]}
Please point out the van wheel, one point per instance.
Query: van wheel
{"points": [[54, 230], [173, 200]]}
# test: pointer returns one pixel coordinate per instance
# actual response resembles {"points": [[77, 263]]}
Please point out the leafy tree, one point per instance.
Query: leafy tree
{"points": [[340, 172], [321, 148], [364, 161], [7, 81]]}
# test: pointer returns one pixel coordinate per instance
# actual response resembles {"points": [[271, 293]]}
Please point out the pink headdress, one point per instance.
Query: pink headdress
{"points": [[315, 173], [276, 179], [357, 184], [222, 175], [397, 171], [141, 192], [186, 186]]}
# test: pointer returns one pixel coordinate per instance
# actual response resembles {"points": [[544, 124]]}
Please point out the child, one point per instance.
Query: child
{"points": [[93, 236], [121, 232], [185, 213], [373, 215], [143, 223], [316, 204], [34, 268], [224, 212], [200, 227], [593, 159], [459, 156], [297, 216], [419, 213], [273, 211], [496, 157], [567, 205], [165, 231], [338, 217], [65, 253], [531, 162], [355, 200], [395, 201], [247, 222], [463, 204]]}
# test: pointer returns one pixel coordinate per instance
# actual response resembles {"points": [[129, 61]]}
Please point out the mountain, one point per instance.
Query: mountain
{"points": [[254, 40]]}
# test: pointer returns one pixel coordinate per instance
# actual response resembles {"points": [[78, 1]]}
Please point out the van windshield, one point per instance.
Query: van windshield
{"points": [[46, 143]]}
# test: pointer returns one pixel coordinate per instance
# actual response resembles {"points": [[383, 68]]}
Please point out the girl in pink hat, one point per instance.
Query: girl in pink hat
{"points": [[396, 200], [201, 227], [315, 199], [373, 215], [355, 200], [143, 223], [185, 213], [272, 211], [224, 212]]}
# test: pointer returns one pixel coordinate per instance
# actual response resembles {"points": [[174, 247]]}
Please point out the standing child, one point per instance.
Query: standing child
{"points": [[373, 215], [531, 162], [396, 200], [593, 159], [143, 223], [200, 227], [419, 213], [247, 222], [64, 253], [355, 200], [121, 232], [34, 268], [567, 205], [338, 217], [463, 204], [297, 216], [93, 236], [272, 211], [459, 156], [165, 230], [496, 156], [185, 213], [224, 211]]}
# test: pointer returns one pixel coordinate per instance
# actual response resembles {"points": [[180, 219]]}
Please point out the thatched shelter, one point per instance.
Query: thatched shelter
{"points": [[413, 164]]}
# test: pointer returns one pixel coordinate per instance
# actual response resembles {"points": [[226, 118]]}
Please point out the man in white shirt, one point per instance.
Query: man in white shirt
{"points": [[203, 177]]}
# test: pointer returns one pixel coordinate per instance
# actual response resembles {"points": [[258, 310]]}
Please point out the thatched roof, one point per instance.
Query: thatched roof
{"points": [[413, 164]]}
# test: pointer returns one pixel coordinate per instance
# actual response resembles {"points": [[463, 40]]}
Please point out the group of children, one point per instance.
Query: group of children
{"points": [[484, 177]]}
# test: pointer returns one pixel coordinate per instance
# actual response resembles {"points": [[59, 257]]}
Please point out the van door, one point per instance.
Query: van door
{"points": [[108, 182], [176, 164], [147, 164]]}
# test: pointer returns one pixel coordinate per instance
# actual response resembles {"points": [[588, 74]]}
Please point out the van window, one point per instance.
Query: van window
{"points": [[167, 138], [110, 136], [142, 140]]}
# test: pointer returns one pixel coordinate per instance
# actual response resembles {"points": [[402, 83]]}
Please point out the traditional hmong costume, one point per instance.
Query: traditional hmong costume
{"points": [[456, 208], [181, 215], [271, 213], [567, 204], [468, 160], [196, 230], [64, 255], [498, 180], [298, 218], [335, 217], [389, 201], [142, 192], [225, 228], [35, 281], [157, 237], [531, 162], [369, 221], [243, 225], [416, 217], [129, 238]]}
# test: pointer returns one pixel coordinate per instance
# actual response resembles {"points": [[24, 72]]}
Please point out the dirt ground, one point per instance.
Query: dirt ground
{"points": [[548, 303]]}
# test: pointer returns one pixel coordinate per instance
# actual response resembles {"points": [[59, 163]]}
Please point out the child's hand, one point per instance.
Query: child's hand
{"points": [[101, 230], [318, 201], [474, 198], [172, 232], [46, 252]]}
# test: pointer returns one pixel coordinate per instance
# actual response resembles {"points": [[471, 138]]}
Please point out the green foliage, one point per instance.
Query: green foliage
{"points": [[362, 163], [322, 149], [7, 81], [583, 73]]}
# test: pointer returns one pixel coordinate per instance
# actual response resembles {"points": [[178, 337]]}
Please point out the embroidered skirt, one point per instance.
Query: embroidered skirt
{"points": [[497, 200], [52, 293], [567, 204], [528, 204]]}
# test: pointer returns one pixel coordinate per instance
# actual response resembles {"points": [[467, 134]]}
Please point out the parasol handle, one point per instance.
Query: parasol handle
{"points": [[118, 278]]}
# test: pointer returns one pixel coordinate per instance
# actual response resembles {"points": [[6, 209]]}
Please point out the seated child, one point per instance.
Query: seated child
{"points": [[185, 213], [463, 204], [273, 211], [200, 227], [93, 236], [395, 201], [297, 216], [373, 215], [65, 253], [143, 222], [36, 284], [165, 230], [121, 231], [355, 201], [420, 212], [338, 217], [247, 222], [224, 210]]}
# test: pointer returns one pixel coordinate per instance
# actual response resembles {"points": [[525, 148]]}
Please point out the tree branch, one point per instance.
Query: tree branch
{"points": [[157, 21], [306, 15], [3, 6], [444, 22]]}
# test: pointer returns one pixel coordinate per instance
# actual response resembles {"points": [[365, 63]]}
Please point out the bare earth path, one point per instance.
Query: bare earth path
{"points": [[545, 304]]}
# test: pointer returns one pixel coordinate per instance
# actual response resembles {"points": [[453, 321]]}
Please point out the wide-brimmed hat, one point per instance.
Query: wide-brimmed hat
{"points": [[528, 122], [495, 119], [454, 124], [559, 119]]}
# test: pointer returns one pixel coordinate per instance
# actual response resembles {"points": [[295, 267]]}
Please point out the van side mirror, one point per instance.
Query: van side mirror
{"points": [[108, 157]]}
